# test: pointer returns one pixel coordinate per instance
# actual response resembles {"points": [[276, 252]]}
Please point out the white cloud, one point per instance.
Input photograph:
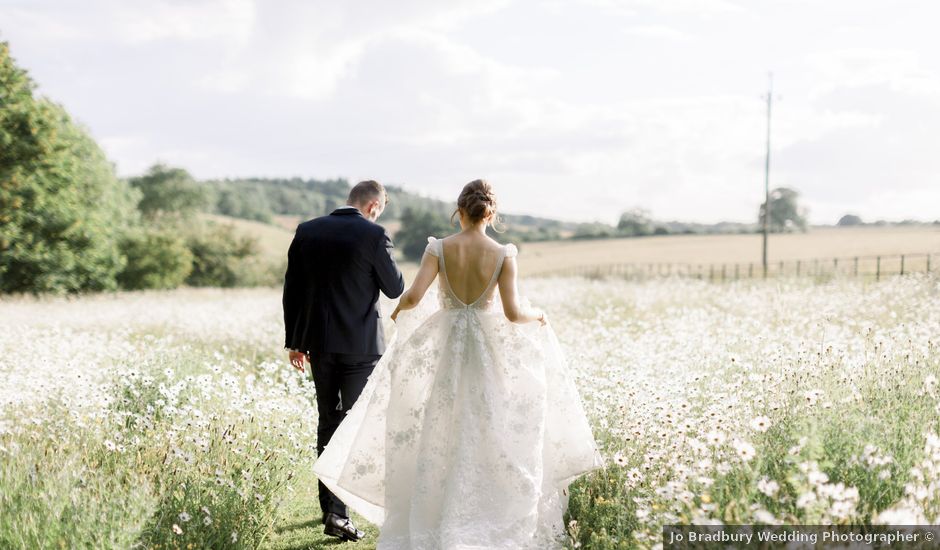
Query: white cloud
{"points": [[902, 70], [133, 22], [658, 31], [304, 51], [632, 8], [574, 110]]}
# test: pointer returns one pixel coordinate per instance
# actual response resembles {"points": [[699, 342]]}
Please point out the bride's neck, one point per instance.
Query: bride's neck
{"points": [[478, 228]]}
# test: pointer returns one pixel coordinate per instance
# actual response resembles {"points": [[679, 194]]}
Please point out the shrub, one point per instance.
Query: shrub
{"points": [[221, 258], [155, 259]]}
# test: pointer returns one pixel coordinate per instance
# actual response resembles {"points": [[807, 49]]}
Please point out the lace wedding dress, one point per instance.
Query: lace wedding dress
{"points": [[467, 433]]}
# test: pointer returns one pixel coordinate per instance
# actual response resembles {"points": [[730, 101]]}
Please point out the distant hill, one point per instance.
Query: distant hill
{"points": [[285, 202]]}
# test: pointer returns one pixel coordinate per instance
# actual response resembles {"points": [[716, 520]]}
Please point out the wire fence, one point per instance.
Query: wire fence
{"points": [[865, 267]]}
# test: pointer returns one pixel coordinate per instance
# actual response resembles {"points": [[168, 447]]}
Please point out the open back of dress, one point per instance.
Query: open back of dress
{"points": [[482, 299]]}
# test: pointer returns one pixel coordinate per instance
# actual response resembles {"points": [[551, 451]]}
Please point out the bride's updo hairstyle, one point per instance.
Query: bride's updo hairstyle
{"points": [[478, 201]]}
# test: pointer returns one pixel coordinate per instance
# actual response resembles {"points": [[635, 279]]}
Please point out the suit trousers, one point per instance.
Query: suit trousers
{"points": [[339, 379]]}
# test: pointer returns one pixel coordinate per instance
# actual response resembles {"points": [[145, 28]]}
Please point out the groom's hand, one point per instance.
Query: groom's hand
{"points": [[297, 359]]}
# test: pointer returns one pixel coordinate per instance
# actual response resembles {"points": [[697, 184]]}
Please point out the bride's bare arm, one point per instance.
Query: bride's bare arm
{"points": [[508, 293], [419, 286]]}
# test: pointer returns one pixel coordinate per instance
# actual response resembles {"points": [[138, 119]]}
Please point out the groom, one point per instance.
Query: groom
{"points": [[336, 266]]}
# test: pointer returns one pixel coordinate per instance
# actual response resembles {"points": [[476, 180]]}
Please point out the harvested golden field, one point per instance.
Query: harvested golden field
{"points": [[826, 242], [543, 257]]}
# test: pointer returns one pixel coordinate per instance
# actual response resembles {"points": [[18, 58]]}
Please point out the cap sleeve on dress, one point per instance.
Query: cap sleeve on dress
{"points": [[511, 250], [431, 248]]}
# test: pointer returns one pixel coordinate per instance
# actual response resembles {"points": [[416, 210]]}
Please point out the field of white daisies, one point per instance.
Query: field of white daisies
{"points": [[172, 419]]}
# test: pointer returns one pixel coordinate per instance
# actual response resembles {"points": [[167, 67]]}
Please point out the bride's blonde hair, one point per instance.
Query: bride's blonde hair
{"points": [[478, 201]]}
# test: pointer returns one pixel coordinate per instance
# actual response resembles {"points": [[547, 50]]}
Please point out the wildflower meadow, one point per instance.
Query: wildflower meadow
{"points": [[171, 419]]}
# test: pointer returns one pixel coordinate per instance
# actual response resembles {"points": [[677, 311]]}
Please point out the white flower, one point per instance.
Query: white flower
{"points": [[177, 529], [619, 459], [634, 475], [763, 516], [715, 437], [184, 517], [234, 536], [744, 450], [816, 477], [806, 499], [768, 486], [812, 396], [760, 424], [900, 516]]}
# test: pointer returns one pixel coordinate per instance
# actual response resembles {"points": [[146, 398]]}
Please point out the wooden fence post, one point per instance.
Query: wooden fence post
{"points": [[856, 267], [878, 268], [902, 264], [798, 262]]}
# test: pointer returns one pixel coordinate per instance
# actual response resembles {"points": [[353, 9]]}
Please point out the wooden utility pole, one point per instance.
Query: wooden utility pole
{"points": [[770, 94]]}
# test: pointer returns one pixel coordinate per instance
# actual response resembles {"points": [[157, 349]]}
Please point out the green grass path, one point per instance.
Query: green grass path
{"points": [[299, 527]]}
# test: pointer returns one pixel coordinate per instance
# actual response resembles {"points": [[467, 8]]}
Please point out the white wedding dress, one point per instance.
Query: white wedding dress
{"points": [[467, 433]]}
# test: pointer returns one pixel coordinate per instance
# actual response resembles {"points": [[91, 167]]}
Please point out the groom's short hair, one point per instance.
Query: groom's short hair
{"points": [[366, 191]]}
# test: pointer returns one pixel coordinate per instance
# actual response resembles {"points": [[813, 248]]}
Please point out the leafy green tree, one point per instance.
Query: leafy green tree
{"points": [[220, 257], [593, 231], [416, 227], [635, 223], [62, 209], [170, 192], [252, 205], [155, 259], [785, 211], [850, 219]]}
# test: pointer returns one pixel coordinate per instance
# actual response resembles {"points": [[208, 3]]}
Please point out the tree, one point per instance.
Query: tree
{"points": [[62, 209], [593, 231], [785, 212], [219, 256], [169, 192], [251, 205], [416, 227], [850, 219], [155, 259], [635, 223]]}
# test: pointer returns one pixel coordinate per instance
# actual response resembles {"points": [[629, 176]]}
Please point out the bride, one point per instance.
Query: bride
{"points": [[470, 428]]}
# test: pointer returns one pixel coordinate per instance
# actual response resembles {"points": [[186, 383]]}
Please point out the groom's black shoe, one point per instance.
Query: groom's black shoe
{"points": [[338, 526]]}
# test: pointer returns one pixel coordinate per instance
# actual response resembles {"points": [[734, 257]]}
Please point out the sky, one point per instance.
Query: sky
{"points": [[577, 110]]}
